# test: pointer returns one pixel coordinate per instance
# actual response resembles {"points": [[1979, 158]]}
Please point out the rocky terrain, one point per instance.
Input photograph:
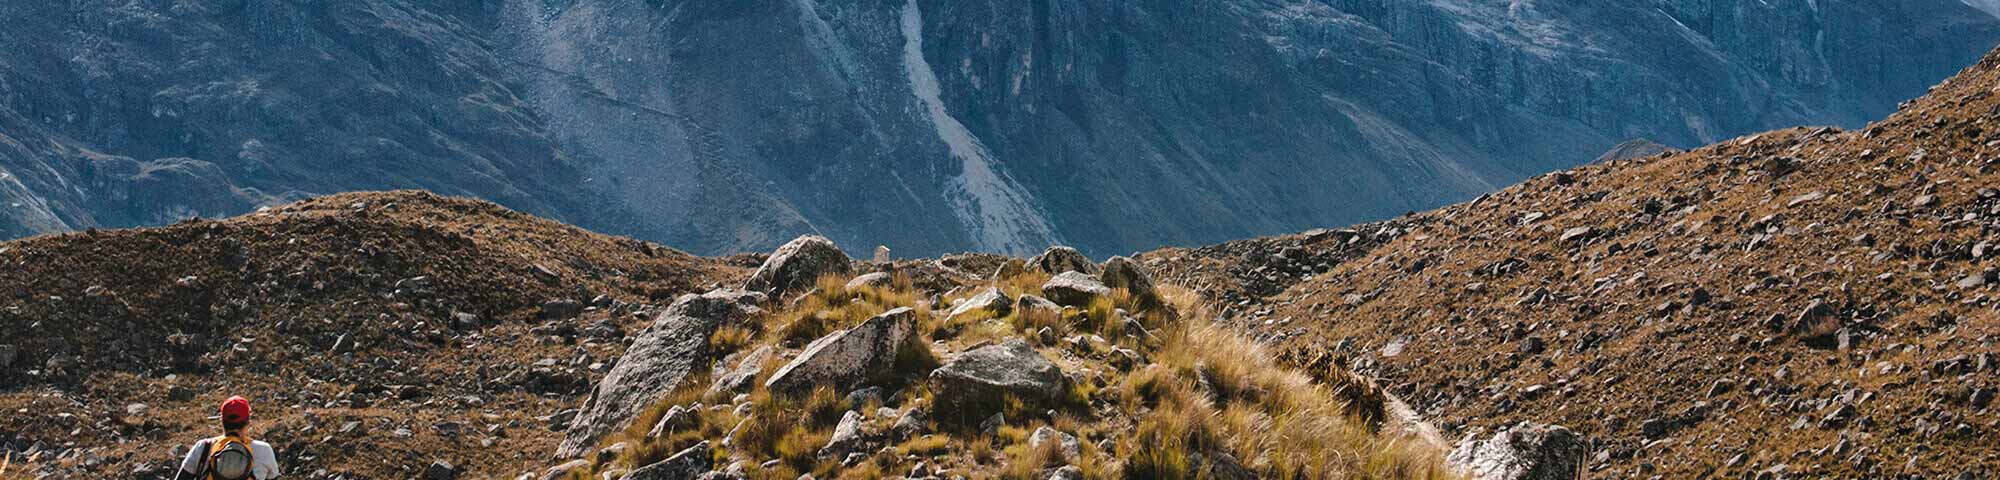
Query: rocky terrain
{"points": [[402, 335], [375, 332], [1811, 302], [722, 127], [1802, 303]]}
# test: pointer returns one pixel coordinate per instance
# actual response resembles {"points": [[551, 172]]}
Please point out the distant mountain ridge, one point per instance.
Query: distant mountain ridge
{"points": [[734, 126]]}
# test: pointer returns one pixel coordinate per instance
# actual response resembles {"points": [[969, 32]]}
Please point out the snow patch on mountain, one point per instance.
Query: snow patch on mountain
{"points": [[997, 212]]}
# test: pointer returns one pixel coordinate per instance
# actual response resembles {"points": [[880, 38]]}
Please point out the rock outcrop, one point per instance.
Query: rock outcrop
{"points": [[797, 265], [1522, 452], [850, 356], [656, 363]]}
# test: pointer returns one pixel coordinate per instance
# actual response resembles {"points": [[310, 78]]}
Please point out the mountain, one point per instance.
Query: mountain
{"points": [[721, 127], [1810, 302]]}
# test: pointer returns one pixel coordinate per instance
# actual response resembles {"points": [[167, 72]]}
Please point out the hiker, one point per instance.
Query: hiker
{"points": [[232, 456]]}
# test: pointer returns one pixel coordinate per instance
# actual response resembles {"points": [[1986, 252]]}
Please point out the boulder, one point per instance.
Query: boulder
{"points": [[1121, 272], [911, 425], [686, 465], [732, 381], [992, 300], [561, 309], [1074, 289], [797, 265], [847, 436], [1057, 260], [1065, 444], [441, 470], [560, 472], [676, 418], [876, 279], [976, 383], [1030, 304], [1522, 452], [1009, 269], [848, 357], [656, 363]]}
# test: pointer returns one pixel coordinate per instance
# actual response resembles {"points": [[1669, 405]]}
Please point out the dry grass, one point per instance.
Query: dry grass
{"points": [[1215, 391], [1208, 392]]}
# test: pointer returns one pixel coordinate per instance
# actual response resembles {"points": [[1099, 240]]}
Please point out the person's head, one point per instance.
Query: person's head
{"points": [[235, 414]]}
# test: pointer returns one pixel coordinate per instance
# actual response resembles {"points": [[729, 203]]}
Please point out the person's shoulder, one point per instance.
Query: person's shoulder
{"points": [[259, 444]]}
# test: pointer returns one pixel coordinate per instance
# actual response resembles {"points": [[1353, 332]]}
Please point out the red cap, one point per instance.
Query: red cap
{"points": [[235, 411]]}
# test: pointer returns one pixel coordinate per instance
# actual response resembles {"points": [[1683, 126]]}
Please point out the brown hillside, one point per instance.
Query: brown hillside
{"points": [[339, 318], [1802, 302]]}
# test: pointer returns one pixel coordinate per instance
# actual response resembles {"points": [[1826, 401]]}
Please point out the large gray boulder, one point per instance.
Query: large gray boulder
{"points": [[656, 363], [686, 465], [797, 265], [1522, 452], [848, 357], [1074, 289], [1060, 259], [977, 383], [1121, 272]]}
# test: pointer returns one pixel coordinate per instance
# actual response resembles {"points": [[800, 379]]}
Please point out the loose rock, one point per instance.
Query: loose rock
{"points": [[1057, 260], [850, 356], [976, 383], [1074, 289], [795, 266]]}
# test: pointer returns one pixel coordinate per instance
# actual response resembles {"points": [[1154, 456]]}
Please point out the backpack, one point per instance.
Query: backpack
{"points": [[229, 458]]}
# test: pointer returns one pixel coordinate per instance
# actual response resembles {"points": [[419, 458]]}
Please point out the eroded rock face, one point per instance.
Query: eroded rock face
{"points": [[797, 265], [1074, 289], [1061, 259], [656, 363], [1523, 452], [848, 357], [975, 384]]}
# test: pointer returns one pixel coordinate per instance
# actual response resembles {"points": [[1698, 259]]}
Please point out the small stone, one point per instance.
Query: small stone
{"points": [[1067, 472], [847, 436], [687, 464], [993, 423], [912, 424], [441, 470], [562, 471], [1066, 444]]}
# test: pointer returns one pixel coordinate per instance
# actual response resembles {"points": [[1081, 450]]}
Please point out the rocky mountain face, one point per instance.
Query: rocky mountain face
{"points": [[733, 126], [1808, 302]]}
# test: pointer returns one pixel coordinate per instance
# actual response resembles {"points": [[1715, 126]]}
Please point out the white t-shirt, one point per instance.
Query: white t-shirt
{"points": [[263, 460]]}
